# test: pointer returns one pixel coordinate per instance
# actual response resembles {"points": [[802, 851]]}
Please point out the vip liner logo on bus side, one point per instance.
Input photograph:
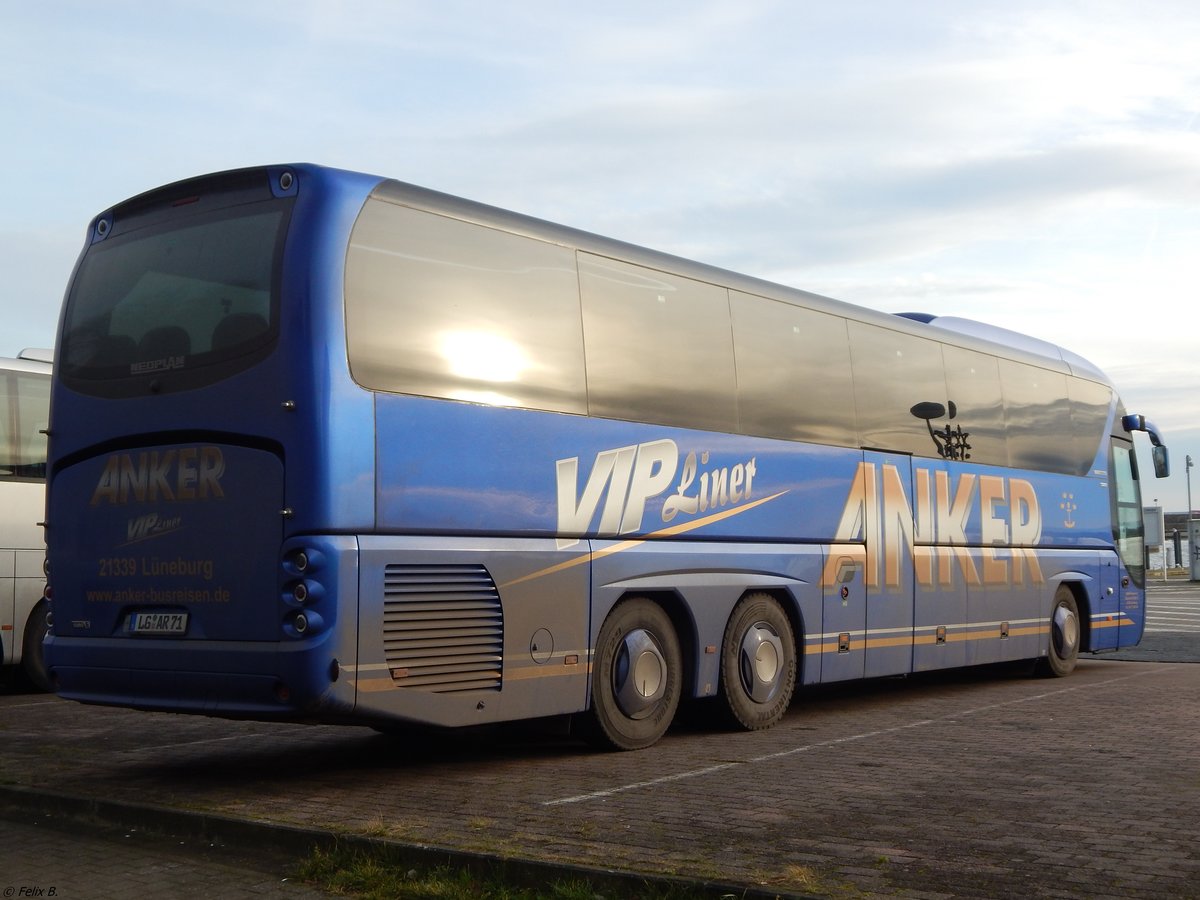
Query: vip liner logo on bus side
{"points": [[877, 512], [633, 475]]}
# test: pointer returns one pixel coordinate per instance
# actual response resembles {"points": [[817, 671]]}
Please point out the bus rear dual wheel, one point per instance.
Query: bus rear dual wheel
{"points": [[638, 679], [758, 663]]}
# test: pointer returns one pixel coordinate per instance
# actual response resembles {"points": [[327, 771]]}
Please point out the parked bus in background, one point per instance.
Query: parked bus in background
{"points": [[24, 418], [329, 447]]}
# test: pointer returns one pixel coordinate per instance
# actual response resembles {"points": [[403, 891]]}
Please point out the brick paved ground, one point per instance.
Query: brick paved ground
{"points": [[129, 864], [977, 784]]}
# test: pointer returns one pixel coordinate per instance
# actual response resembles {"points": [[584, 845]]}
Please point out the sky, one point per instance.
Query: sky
{"points": [[1032, 165]]}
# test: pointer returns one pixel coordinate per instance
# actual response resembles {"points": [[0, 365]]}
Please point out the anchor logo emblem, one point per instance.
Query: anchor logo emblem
{"points": [[1068, 506]]}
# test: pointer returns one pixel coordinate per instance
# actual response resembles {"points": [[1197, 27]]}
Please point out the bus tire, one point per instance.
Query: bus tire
{"points": [[33, 659], [758, 663], [637, 681], [1062, 651]]}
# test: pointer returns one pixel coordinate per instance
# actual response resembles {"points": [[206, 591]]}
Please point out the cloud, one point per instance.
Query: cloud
{"points": [[1029, 163]]}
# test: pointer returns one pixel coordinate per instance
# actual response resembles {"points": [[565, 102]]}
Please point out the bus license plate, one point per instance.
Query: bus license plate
{"points": [[158, 623]]}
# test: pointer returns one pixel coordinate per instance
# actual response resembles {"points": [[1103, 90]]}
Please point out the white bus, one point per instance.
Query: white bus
{"points": [[24, 416]]}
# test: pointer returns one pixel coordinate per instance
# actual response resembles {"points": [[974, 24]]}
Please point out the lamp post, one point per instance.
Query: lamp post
{"points": [[1187, 469], [1194, 568]]}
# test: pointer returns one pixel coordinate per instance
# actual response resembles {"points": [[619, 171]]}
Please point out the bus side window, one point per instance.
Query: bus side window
{"points": [[24, 400]]}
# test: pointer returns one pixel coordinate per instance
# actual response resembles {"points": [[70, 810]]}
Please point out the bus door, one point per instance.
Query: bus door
{"points": [[890, 540], [940, 633], [1122, 602], [1130, 535], [844, 615]]}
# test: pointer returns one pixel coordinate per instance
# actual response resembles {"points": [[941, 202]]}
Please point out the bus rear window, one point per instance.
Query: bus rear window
{"points": [[194, 298]]}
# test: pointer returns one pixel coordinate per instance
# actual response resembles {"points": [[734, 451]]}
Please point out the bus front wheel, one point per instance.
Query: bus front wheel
{"points": [[637, 679], [758, 663], [1062, 651]]}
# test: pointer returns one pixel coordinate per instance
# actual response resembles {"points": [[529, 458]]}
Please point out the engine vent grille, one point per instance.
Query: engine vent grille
{"points": [[443, 628]]}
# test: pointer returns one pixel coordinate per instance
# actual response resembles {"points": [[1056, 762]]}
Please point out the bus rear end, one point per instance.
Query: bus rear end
{"points": [[183, 444]]}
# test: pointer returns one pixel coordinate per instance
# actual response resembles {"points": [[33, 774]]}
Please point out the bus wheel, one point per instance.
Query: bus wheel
{"points": [[758, 663], [33, 660], [1063, 650], [636, 683]]}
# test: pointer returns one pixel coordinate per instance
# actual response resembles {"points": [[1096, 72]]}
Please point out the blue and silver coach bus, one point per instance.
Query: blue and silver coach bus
{"points": [[328, 447]]}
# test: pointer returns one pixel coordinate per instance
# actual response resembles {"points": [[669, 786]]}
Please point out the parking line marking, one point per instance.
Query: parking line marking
{"points": [[213, 740], [708, 770], [45, 702]]}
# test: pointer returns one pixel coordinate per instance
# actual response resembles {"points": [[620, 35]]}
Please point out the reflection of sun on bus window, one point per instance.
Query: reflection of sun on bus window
{"points": [[481, 356]]}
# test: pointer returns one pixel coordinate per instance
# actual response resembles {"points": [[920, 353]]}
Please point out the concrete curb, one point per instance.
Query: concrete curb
{"points": [[295, 843]]}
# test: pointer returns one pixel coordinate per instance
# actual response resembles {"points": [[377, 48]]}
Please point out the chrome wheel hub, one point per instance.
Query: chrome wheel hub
{"points": [[639, 674], [1066, 631], [760, 662]]}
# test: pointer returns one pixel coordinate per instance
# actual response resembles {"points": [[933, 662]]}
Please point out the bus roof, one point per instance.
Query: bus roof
{"points": [[29, 360]]}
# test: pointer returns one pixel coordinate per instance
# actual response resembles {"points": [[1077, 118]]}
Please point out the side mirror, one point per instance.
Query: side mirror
{"points": [[1162, 466], [1158, 450]]}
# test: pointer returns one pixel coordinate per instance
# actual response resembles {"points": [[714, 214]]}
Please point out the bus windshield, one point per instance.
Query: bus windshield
{"points": [[186, 297]]}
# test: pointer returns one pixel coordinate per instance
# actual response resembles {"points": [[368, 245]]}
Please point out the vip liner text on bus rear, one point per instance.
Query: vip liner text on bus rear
{"points": [[328, 447]]}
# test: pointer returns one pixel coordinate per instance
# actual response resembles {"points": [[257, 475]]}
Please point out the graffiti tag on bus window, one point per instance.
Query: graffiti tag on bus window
{"points": [[951, 442]]}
